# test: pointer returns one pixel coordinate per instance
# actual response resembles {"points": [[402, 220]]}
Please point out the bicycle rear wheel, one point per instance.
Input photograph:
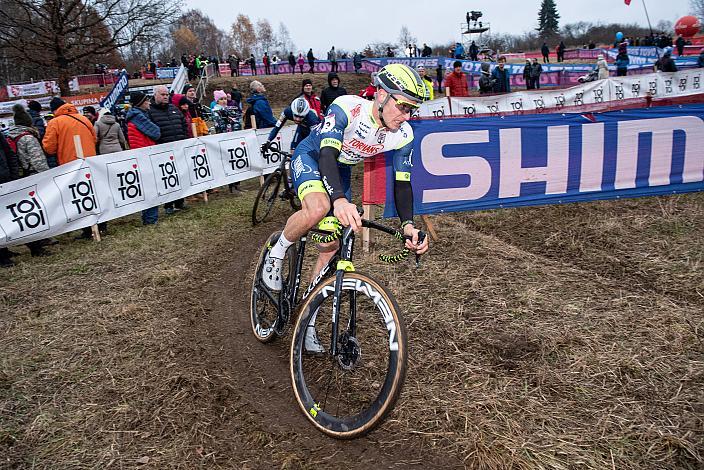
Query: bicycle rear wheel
{"points": [[348, 395], [268, 321], [266, 198]]}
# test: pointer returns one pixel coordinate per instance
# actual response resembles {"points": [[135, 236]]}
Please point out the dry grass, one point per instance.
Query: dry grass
{"points": [[557, 337], [560, 337]]}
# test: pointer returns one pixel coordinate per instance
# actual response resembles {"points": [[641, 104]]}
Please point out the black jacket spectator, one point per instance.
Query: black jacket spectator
{"points": [[331, 92], [35, 108], [9, 164], [170, 120]]}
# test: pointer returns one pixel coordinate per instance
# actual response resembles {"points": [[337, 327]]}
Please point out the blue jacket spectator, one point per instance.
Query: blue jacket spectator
{"points": [[260, 106], [459, 51]]}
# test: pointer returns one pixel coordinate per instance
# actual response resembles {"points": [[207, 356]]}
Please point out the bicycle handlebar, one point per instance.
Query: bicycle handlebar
{"points": [[329, 237]]}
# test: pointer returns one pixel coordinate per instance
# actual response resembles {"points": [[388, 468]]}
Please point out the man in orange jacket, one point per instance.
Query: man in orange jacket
{"points": [[59, 140], [60, 131]]}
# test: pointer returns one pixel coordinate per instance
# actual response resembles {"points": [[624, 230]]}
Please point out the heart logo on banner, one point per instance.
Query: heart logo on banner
{"points": [[134, 165], [171, 157], [202, 150], [87, 175], [31, 194], [243, 144]]}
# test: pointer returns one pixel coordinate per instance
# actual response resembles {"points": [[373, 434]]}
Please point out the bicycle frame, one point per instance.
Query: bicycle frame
{"points": [[337, 264]]}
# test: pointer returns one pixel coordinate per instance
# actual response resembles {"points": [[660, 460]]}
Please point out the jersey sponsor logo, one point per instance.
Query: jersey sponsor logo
{"points": [[334, 143], [328, 123], [300, 168], [354, 112], [365, 148]]}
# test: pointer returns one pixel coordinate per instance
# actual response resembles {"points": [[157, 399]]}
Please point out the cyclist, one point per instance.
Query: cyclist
{"points": [[353, 129], [299, 112]]}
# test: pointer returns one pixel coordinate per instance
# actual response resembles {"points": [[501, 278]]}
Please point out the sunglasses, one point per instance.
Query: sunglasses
{"points": [[406, 107]]}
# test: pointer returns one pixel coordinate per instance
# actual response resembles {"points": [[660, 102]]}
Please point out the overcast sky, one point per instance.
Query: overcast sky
{"points": [[351, 25]]}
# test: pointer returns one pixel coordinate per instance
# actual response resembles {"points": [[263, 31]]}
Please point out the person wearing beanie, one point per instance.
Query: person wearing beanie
{"points": [[217, 96], [34, 109], [142, 132], [334, 90], [61, 130], [456, 81], [310, 96], [25, 139], [55, 104]]}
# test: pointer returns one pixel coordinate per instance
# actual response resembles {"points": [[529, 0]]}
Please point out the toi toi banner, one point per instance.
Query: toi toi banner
{"points": [[104, 187], [485, 163]]}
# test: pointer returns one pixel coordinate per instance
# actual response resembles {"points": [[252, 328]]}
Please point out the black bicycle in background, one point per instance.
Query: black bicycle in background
{"points": [[277, 186], [348, 390]]}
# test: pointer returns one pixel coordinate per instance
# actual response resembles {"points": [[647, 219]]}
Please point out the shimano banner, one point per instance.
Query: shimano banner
{"points": [[117, 92], [486, 163], [581, 98]]}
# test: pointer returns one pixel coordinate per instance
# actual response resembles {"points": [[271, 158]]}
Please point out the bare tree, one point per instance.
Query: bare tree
{"points": [[265, 36], [697, 7], [284, 44], [405, 37], [243, 36], [59, 34]]}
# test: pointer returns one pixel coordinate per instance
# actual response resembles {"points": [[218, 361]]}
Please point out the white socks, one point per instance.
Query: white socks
{"points": [[279, 250]]}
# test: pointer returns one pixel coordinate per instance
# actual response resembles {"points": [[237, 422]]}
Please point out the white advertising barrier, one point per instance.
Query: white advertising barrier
{"points": [[658, 85], [271, 159], [575, 97], [104, 187]]}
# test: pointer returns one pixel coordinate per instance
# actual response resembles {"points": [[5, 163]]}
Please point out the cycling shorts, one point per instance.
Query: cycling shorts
{"points": [[306, 175]]}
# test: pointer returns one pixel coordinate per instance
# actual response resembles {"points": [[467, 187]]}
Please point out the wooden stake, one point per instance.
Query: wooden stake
{"points": [[79, 154], [194, 130], [253, 121], [368, 215], [430, 227]]}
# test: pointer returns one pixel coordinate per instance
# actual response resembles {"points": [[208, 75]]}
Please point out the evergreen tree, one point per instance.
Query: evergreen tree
{"points": [[548, 19]]}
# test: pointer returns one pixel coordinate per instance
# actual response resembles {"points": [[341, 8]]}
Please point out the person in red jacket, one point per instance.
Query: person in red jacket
{"points": [[142, 132], [456, 81], [310, 96]]}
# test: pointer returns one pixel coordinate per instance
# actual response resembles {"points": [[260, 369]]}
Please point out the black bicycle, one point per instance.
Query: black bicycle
{"points": [[276, 186], [348, 390]]}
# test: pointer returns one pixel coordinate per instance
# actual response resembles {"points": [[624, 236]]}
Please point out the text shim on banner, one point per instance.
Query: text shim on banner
{"points": [[486, 163]]}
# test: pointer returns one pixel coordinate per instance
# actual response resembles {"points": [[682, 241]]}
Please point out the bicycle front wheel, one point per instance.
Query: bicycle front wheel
{"points": [[349, 394], [266, 198]]}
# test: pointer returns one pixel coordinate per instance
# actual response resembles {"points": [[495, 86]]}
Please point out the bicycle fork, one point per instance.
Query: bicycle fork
{"points": [[343, 265]]}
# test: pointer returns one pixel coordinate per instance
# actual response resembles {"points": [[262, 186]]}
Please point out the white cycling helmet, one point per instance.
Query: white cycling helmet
{"points": [[300, 107]]}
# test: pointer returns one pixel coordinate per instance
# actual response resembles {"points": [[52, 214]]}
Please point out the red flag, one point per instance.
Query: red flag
{"points": [[628, 2]]}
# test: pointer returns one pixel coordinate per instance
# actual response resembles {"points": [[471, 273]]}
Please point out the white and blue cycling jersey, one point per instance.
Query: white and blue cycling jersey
{"points": [[350, 128]]}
